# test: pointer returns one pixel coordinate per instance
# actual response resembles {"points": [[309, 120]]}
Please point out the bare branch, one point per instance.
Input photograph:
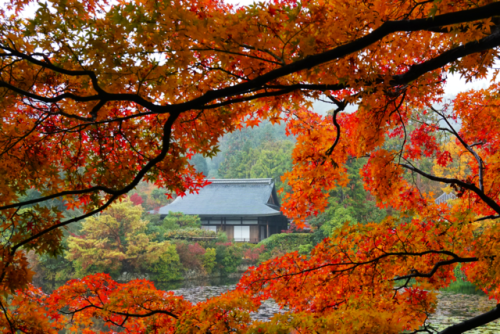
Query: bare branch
{"points": [[340, 107], [467, 147]]}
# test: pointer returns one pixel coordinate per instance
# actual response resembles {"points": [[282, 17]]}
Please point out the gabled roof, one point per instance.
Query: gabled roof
{"points": [[229, 197], [444, 198]]}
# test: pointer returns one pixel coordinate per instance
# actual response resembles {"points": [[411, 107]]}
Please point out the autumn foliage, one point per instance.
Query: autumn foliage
{"points": [[97, 96]]}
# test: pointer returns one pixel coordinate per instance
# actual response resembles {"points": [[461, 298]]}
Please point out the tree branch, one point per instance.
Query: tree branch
{"points": [[467, 147], [488, 200], [456, 259], [309, 62], [353, 264], [472, 323], [340, 107], [167, 130], [125, 314], [487, 217]]}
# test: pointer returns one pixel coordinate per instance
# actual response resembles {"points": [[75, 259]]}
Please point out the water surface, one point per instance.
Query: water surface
{"points": [[454, 308]]}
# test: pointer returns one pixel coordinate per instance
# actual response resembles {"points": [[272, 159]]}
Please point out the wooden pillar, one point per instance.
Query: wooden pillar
{"points": [[267, 224]]}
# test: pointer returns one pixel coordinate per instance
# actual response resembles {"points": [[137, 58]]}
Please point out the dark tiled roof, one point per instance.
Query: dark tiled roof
{"points": [[229, 197], [444, 198]]}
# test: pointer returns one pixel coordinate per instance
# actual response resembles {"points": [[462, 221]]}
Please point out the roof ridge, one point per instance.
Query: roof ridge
{"points": [[241, 181]]}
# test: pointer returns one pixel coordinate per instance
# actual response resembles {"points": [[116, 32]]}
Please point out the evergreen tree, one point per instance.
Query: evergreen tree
{"points": [[200, 164], [351, 204]]}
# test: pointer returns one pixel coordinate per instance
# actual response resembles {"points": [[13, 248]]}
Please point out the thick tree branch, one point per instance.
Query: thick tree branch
{"points": [[387, 28], [125, 314], [340, 107], [455, 259], [309, 62], [47, 64], [101, 97], [475, 322], [487, 217], [488, 200], [353, 265], [61, 224], [167, 130]]}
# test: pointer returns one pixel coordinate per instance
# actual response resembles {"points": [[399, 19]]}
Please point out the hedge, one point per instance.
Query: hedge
{"points": [[287, 241]]}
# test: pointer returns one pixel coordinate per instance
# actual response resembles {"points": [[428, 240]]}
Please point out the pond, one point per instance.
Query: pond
{"points": [[452, 308], [197, 291]]}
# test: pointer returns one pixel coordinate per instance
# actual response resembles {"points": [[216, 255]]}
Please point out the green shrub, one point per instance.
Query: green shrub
{"points": [[209, 259], [64, 274], [189, 233], [221, 237], [177, 220], [168, 267], [287, 242], [55, 268], [462, 284], [280, 244], [228, 257], [305, 249]]}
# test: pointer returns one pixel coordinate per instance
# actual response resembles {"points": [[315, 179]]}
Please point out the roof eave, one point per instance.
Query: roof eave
{"points": [[238, 216]]}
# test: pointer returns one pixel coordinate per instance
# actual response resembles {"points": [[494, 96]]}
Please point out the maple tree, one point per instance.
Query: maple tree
{"points": [[97, 96], [136, 199]]}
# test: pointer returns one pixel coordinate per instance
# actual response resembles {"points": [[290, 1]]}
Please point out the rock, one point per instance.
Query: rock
{"points": [[125, 276]]}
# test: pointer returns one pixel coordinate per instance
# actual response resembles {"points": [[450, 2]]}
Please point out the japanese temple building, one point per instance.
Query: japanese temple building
{"points": [[246, 209]]}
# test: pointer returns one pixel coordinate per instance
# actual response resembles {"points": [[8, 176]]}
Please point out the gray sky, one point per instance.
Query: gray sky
{"points": [[454, 85]]}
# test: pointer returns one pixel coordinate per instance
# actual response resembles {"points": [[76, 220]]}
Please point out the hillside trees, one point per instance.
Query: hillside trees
{"points": [[269, 159], [97, 97], [351, 203], [200, 164]]}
